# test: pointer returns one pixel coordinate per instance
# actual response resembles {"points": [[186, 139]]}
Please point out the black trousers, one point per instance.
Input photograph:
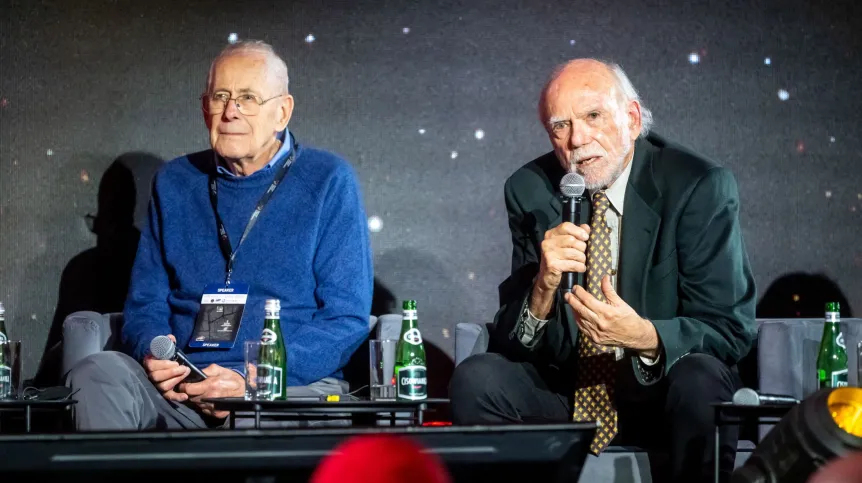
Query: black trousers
{"points": [[672, 415]]}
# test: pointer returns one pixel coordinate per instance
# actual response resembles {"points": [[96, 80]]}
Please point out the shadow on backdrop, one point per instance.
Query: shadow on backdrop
{"points": [[97, 279], [801, 295], [442, 300], [356, 371]]}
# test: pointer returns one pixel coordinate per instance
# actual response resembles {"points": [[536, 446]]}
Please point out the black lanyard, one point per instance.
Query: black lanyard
{"points": [[223, 240]]}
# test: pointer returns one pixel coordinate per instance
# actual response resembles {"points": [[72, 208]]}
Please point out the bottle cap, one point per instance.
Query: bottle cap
{"points": [[272, 305]]}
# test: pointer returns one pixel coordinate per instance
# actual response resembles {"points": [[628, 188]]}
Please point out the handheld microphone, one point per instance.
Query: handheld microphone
{"points": [[750, 397], [163, 348], [572, 187]]}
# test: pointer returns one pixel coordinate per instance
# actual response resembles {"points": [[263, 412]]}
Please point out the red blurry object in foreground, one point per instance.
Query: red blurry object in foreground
{"points": [[843, 470], [437, 423], [380, 458]]}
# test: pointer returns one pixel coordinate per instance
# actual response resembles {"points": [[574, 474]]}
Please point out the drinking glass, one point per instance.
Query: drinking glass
{"points": [[382, 366]]}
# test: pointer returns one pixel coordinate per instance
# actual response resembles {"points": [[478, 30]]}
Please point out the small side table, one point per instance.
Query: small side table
{"points": [[727, 413], [362, 411], [28, 406]]}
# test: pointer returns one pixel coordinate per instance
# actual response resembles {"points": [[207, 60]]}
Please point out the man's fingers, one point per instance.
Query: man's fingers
{"points": [[162, 375], [610, 293], [155, 365], [581, 303], [594, 305], [212, 370], [196, 388], [175, 396], [170, 384], [572, 255], [580, 232]]}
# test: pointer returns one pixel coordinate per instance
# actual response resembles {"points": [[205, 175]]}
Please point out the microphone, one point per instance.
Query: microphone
{"points": [[750, 397], [163, 348], [572, 187]]}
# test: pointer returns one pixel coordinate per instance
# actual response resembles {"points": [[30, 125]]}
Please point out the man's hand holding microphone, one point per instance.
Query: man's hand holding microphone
{"points": [[610, 323], [169, 376]]}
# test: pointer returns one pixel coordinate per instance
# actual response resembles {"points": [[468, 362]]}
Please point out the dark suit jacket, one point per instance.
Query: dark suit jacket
{"points": [[682, 263]]}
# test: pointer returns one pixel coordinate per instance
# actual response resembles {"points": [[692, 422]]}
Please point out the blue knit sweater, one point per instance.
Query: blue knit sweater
{"points": [[309, 249]]}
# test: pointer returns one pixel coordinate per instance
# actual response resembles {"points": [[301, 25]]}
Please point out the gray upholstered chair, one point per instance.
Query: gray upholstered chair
{"points": [[86, 333], [781, 345]]}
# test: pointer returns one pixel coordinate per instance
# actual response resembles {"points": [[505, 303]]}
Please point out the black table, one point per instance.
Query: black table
{"points": [[362, 411], [727, 413], [548, 453], [28, 406]]}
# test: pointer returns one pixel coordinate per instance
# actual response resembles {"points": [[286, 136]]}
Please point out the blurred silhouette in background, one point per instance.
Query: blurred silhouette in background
{"points": [[97, 279]]}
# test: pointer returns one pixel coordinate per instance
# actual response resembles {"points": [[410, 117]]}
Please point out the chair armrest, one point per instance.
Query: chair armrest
{"points": [[389, 326], [84, 334], [470, 339]]}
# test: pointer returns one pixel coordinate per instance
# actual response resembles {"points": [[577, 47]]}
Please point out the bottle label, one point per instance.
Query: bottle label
{"points": [[272, 313], [269, 380], [3, 337], [412, 383], [839, 378], [413, 336], [833, 317], [839, 341], [409, 315], [5, 382], [268, 337]]}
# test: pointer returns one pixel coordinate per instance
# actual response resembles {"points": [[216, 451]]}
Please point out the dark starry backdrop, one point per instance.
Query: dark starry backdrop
{"points": [[434, 104]]}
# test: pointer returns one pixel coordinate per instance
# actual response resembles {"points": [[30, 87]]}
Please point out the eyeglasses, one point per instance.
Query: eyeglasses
{"points": [[247, 104]]}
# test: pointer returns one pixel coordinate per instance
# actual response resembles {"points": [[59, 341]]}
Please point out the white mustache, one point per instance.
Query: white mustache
{"points": [[578, 159]]}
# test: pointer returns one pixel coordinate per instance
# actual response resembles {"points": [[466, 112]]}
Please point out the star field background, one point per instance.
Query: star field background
{"points": [[434, 104]]}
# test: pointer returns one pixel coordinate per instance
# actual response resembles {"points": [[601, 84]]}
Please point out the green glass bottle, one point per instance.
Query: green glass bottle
{"points": [[272, 360], [411, 380], [832, 358]]}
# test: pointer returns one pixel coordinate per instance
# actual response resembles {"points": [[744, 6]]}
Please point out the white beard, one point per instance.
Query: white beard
{"points": [[591, 181]]}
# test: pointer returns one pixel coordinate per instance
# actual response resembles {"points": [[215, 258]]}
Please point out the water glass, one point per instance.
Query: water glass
{"points": [[382, 361], [258, 387], [10, 369]]}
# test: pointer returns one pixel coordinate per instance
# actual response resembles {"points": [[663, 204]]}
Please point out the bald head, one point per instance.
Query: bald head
{"points": [[606, 76], [592, 115]]}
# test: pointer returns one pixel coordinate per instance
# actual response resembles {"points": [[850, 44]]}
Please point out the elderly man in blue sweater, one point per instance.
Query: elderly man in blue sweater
{"points": [[260, 213]]}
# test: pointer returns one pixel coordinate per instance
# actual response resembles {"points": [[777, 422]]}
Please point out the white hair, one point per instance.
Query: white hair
{"points": [[625, 85], [277, 65], [631, 94]]}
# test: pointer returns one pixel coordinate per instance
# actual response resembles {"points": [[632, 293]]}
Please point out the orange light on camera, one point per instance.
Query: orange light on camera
{"points": [[845, 406]]}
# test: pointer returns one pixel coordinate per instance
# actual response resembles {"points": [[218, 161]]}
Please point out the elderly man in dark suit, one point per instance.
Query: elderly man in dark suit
{"points": [[667, 307]]}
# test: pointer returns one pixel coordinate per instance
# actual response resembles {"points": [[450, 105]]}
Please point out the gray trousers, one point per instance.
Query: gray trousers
{"points": [[114, 393]]}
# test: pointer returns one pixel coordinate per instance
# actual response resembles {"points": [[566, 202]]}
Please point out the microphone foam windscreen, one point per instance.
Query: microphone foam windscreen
{"points": [[163, 348], [746, 397], [572, 185]]}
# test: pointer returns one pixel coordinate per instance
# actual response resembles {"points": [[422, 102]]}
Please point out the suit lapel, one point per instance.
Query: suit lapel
{"points": [[640, 226]]}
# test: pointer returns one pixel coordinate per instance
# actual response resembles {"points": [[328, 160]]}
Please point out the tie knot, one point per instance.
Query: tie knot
{"points": [[600, 203]]}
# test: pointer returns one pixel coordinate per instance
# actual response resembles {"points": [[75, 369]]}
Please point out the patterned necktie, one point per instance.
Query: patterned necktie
{"points": [[596, 364]]}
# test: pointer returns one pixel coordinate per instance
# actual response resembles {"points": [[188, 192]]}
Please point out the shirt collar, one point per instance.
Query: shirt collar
{"points": [[286, 145], [616, 192]]}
